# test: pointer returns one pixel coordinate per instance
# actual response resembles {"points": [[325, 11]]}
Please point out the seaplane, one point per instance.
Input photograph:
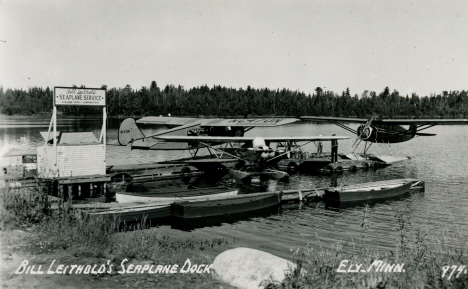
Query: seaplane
{"points": [[243, 156], [384, 131], [130, 132]]}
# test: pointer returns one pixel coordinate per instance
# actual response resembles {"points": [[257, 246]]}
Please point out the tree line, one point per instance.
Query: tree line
{"points": [[223, 101]]}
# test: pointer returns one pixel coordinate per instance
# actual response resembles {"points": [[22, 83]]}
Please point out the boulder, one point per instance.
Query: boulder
{"points": [[248, 268]]}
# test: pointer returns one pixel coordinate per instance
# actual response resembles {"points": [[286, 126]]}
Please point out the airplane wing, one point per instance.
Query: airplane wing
{"points": [[337, 119], [217, 122], [415, 121], [170, 121], [223, 139], [422, 121], [249, 122], [166, 142]]}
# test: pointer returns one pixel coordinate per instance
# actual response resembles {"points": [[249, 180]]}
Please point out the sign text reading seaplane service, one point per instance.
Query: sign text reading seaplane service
{"points": [[80, 96]]}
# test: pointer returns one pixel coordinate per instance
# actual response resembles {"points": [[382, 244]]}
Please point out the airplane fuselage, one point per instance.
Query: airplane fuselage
{"points": [[384, 133]]}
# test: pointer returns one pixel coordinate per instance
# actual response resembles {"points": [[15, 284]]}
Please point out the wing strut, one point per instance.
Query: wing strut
{"points": [[421, 127], [280, 155], [344, 127], [216, 149]]}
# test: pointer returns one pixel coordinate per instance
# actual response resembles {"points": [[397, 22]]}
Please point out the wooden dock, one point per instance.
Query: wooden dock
{"points": [[325, 165]]}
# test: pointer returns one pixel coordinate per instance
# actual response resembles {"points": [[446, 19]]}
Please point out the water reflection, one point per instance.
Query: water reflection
{"points": [[192, 224], [440, 161]]}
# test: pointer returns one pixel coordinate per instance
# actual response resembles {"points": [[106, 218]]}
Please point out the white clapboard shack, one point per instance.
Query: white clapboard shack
{"points": [[73, 154], [78, 154]]}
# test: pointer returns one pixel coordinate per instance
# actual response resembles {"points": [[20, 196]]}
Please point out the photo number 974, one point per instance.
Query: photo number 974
{"points": [[453, 271]]}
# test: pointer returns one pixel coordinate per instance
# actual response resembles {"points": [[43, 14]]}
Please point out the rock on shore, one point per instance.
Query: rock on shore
{"points": [[248, 268]]}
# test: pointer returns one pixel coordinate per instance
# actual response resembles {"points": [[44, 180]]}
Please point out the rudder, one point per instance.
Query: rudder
{"points": [[129, 131]]}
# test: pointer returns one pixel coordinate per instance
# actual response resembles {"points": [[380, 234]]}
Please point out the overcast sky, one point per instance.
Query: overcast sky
{"points": [[411, 46]]}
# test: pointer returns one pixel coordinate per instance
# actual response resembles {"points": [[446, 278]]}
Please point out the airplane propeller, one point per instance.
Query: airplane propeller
{"points": [[364, 131]]}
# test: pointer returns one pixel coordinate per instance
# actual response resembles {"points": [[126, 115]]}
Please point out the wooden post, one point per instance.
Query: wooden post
{"points": [[70, 192], [60, 191], [104, 125], [54, 116], [334, 150]]}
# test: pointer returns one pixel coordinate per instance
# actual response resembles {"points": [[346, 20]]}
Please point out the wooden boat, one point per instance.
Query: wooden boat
{"points": [[154, 171], [371, 191], [122, 176], [177, 194], [227, 206], [17, 165], [129, 213], [386, 159]]}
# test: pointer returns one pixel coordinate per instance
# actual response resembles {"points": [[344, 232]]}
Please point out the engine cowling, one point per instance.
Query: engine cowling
{"points": [[364, 132], [259, 142]]}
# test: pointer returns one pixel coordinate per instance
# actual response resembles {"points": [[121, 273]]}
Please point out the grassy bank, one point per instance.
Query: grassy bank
{"points": [[52, 231], [49, 230], [423, 260]]}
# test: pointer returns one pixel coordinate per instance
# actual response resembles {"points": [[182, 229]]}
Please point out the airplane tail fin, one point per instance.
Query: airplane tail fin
{"points": [[129, 131]]}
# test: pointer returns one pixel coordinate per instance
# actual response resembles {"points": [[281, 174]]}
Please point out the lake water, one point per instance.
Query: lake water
{"points": [[442, 210]]}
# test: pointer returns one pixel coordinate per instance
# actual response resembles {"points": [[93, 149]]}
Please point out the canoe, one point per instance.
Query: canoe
{"points": [[371, 190], [387, 159], [227, 206], [132, 213], [179, 194]]}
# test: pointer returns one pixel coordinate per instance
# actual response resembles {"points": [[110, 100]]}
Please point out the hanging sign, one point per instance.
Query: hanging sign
{"points": [[79, 96]]}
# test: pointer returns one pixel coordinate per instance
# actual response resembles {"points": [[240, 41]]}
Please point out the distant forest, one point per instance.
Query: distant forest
{"points": [[223, 101]]}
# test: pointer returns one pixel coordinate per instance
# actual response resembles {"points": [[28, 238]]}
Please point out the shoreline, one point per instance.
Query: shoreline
{"points": [[98, 117], [31, 230], [16, 251]]}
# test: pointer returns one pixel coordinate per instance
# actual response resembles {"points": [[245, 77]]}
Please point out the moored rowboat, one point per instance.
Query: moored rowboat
{"points": [[132, 213], [371, 190], [227, 206], [179, 194]]}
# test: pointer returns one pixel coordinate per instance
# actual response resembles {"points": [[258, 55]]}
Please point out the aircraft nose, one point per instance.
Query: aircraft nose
{"points": [[265, 155]]}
